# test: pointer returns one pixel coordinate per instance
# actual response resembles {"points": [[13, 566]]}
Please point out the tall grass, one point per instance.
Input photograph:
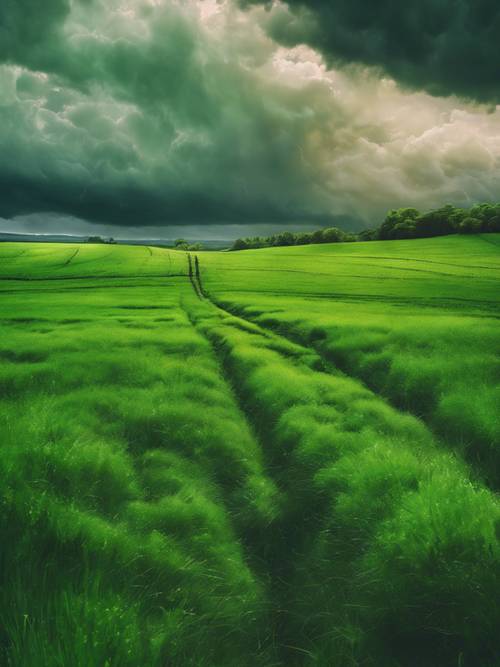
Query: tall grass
{"points": [[180, 486], [392, 549], [130, 481], [415, 320], [444, 368]]}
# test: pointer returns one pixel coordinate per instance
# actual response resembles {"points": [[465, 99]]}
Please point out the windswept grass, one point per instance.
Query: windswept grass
{"points": [[130, 481], [386, 538], [311, 483], [417, 321]]}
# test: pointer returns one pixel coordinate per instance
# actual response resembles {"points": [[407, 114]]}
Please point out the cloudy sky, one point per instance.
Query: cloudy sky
{"points": [[215, 119]]}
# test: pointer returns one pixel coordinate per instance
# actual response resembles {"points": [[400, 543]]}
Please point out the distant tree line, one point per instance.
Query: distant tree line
{"points": [[329, 235], [100, 239], [409, 223], [401, 223]]}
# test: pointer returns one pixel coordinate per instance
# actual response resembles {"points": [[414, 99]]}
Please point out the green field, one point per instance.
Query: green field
{"points": [[289, 459]]}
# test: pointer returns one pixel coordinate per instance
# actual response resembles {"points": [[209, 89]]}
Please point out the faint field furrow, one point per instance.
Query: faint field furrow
{"points": [[93, 260], [265, 269], [108, 276], [72, 257], [438, 302], [490, 240], [382, 258]]}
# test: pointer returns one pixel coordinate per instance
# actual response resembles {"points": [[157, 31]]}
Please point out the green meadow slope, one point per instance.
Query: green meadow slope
{"points": [[52, 261], [288, 459], [417, 321]]}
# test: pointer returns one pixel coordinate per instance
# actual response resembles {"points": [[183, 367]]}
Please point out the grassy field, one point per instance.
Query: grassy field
{"points": [[416, 321], [290, 459]]}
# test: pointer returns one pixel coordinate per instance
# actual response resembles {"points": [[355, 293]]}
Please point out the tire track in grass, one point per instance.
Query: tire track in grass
{"points": [[147, 259], [266, 549], [263, 549], [71, 258], [287, 348], [233, 387], [262, 546], [360, 479], [336, 364], [194, 276], [478, 468], [301, 522]]}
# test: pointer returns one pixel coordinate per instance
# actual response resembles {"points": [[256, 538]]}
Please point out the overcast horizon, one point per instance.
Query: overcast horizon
{"points": [[55, 226], [215, 120]]}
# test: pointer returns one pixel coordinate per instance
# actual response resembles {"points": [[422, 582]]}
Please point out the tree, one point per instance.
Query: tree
{"points": [[435, 223], [240, 244], [470, 225], [405, 216], [485, 213], [404, 230], [303, 238], [368, 235], [456, 217], [284, 239], [332, 235], [317, 236], [494, 224]]}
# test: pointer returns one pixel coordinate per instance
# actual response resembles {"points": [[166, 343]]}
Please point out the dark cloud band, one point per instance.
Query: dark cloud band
{"points": [[442, 46]]}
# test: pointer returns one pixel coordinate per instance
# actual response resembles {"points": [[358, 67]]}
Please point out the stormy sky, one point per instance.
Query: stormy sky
{"points": [[162, 118]]}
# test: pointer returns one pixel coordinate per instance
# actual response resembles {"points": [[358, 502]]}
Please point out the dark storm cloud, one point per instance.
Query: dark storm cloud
{"points": [[442, 46], [131, 205], [144, 121], [27, 24], [160, 112]]}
